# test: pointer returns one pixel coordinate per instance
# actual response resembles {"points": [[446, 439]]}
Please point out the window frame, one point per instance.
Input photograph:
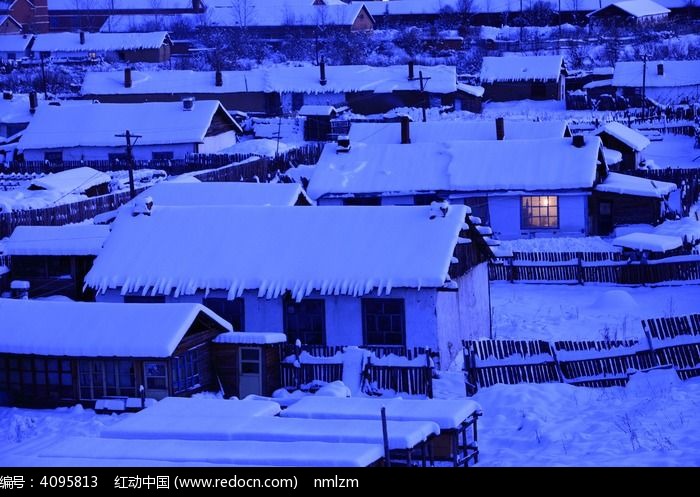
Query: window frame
{"points": [[527, 218], [367, 332], [288, 317]]}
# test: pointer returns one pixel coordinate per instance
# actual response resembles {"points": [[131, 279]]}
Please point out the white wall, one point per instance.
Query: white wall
{"points": [[464, 314], [141, 152], [505, 217], [214, 144]]}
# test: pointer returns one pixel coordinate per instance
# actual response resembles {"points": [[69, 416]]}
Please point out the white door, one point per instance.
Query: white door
{"points": [[156, 376], [250, 372]]}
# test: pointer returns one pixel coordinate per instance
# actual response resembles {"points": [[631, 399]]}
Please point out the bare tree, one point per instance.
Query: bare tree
{"points": [[243, 12]]}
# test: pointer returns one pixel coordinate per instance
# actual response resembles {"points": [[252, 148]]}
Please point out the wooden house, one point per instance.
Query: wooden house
{"points": [[317, 125], [628, 142], [55, 259], [166, 130], [30, 15], [14, 47], [666, 82], [540, 77], [82, 46], [284, 89], [248, 363], [60, 353], [407, 277], [622, 199], [629, 13]]}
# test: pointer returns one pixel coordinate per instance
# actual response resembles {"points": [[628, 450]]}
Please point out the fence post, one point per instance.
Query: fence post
{"points": [[509, 269], [579, 270], [470, 383]]}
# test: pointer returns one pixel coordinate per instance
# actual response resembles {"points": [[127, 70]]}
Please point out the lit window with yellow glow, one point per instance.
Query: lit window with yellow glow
{"points": [[539, 211]]}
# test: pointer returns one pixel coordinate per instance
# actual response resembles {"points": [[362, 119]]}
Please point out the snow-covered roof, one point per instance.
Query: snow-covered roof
{"points": [[99, 42], [612, 157], [440, 131], [72, 239], [448, 414], [675, 73], [119, 5], [281, 13], [521, 68], [648, 241], [633, 185], [97, 124], [598, 84], [15, 110], [251, 338], [96, 329], [458, 166], [222, 193], [14, 43], [633, 139], [75, 180], [636, 8], [317, 110], [477, 91], [283, 79], [238, 249], [131, 23], [210, 408]]}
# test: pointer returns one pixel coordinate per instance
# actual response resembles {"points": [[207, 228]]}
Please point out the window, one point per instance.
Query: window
{"points": [[185, 370], [144, 299], [162, 156], [106, 378], [156, 376], [24, 266], [232, 311], [38, 377], [250, 360], [305, 320], [383, 321], [540, 212], [54, 156]]}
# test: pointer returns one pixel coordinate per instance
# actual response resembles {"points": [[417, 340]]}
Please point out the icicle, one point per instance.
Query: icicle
{"points": [[309, 288]]}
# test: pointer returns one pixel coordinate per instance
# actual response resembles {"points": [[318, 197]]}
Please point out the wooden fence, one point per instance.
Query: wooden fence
{"points": [[578, 271], [58, 215], [687, 180], [672, 342], [412, 379], [308, 154], [568, 256]]}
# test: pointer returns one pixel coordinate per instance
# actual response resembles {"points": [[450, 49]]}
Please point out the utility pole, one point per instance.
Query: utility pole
{"points": [[422, 92], [130, 158], [644, 87]]}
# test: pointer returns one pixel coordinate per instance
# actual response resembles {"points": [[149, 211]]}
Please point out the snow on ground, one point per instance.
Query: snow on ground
{"points": [[263, 146], [675, 151], [559, 244], [590, 312]]}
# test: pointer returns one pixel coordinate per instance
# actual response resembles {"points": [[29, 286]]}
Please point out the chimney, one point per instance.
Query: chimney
{"points": [[322, 66], [405, 130], [579, 141], [33, 102], [411, 74], [187, 103], [660, 69], [343, 144], [219, 78], [7, 95], [82, 37], [127, 77], [500, 128]]}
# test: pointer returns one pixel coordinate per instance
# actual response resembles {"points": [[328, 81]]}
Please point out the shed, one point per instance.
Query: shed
{"points": [[248, 363], [55, 353]]}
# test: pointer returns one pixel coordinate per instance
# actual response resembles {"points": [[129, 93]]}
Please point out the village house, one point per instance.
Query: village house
{"points": [[30, 15], [165, 130], [54, 259], [60, 353], [520, 188], [628, 142], [536, 77], [284, 89], [14, 47], [15, 113], [629, 13], [666, 82], [407, 277], [129, 47]]}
